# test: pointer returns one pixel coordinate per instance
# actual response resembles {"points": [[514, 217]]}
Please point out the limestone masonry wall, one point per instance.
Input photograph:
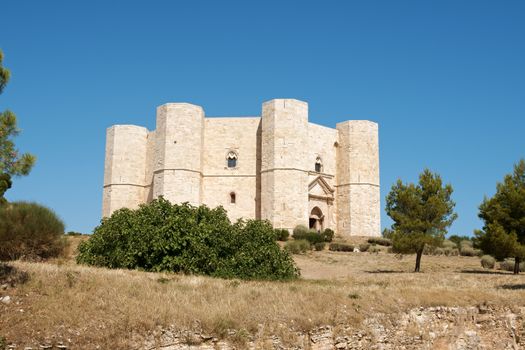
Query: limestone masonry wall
{"points": [[285, 169]]}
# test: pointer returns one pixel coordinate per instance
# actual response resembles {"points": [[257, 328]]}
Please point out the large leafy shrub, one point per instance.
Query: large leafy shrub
{"points": [[488, 262], [298, 246], [380, 241], [29, 230], [312, 236], [341, 247], [281, 234], [328, 235], [161, 236]]}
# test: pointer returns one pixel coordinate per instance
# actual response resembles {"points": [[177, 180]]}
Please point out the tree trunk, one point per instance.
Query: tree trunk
{"points": [[419, 253], [516, 265]]}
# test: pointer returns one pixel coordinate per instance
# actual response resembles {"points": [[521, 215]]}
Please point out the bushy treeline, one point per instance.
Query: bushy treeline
{"points": [[29, 230], [161, 236]]}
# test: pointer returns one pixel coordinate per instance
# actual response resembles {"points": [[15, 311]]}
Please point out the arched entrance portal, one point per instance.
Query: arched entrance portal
{"points": [[316, 219]]}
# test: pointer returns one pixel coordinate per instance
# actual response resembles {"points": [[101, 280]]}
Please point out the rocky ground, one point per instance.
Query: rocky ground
{"points": [[482, 327], [343, 301]]}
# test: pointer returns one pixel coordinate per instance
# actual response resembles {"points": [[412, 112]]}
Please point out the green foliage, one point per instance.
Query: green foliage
{"points": [[374, 249], [448, 251], [363, 247], [298, 246], [328, 235], [299, 231], [380, 241], [466, 248], [319, 246], [449, 244], [312, 236], [161, 236], [281, 234], [421, 213], [503, 233], [29, 230], [469, 251], [5, 184], [387, 233], [341, 247], [509, 265], [73, 233], [457, 239], [11, 162], [4, 73], [488, 262]]}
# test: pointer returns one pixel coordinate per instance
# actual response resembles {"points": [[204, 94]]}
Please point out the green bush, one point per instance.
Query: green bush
{"points": [[30, 231], [508, 265], [281, 234], [298, 246], [469, 251], [328, 235], [465, 244], [73, 233], [312, 236], [299, 231], [458, 239], [319, 246], [449, 244], [341, 247], [380, 241], [363, 247], [428, 249], [488, 262], [161, 236], [451, 251], [439, 251], [374, 249]]}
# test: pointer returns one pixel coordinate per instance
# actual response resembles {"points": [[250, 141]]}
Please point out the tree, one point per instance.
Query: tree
{"points": [[421, 214], [11, 162], [503, 234]]}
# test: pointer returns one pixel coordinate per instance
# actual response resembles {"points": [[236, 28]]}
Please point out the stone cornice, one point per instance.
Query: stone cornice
{"points": [[357, 183]]}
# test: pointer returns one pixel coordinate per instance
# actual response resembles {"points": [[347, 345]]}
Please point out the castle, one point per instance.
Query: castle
{"points": [[277, 167]]}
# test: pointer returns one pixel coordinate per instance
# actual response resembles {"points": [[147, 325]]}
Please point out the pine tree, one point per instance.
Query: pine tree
{"points": [[503, 234], [11, 162], [421, 214]]}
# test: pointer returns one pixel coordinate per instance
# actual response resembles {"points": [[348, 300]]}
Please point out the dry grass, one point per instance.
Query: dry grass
{"points": [[116, 308]]}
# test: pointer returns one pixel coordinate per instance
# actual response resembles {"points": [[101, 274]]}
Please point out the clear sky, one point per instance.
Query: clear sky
{"points": [[445, 80]]}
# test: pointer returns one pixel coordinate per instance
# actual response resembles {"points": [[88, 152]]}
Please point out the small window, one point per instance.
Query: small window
{"points": [[232, 160], [232, 198], [318, 165]]}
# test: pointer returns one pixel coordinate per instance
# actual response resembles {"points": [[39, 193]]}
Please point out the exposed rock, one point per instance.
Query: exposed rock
{"points": [[5, 300], [461, 328]]}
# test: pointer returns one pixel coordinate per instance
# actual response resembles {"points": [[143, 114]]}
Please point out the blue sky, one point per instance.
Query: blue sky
{"points": [[445, 80]]}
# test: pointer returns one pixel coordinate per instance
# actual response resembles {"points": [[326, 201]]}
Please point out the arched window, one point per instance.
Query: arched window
{"points": [[318, 165], [232, 198], [232, 159]]}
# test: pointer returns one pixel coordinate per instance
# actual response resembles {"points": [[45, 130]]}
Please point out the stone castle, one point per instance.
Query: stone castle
{"points": [[277, 167]]}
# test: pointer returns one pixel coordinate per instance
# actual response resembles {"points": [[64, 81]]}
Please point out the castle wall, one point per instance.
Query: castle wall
{"points": [[322, 141], [284, 174], [222, 135], [185, 160], [177, 167], [358, 179], [150, 164], [124, 171]]}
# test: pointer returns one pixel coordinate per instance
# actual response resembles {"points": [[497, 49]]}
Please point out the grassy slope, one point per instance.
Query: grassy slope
{"points": [[115, 308]]}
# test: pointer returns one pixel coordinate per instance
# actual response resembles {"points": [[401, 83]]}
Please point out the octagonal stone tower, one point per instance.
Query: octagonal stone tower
{"points": [[284, 175]]}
